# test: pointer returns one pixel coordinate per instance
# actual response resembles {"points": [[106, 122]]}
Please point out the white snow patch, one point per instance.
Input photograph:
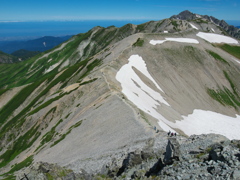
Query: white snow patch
{"points": [[184, 40], [198, 16], [213, 30], [204, 122], [148, 100], [165, 31], [217, 38], [51, 68], [138, 92], [50, 60], [193, 26], [154, 42]]}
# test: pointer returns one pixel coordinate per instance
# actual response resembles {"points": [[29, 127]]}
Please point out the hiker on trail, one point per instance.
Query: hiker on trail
{"points": [[172, 134], [169, 133], [175, 134]]}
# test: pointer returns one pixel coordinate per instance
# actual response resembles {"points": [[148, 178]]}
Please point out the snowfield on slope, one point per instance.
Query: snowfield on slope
{"points": [[183, 40], [193, 26], [148, 100], [204, 122], [217, 38], [138, 92]]}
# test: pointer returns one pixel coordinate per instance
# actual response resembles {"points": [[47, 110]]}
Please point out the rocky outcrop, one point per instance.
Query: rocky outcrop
{"points": [[231, 30], [197, 157], [172, 151], [185, 15], [189, 16]]}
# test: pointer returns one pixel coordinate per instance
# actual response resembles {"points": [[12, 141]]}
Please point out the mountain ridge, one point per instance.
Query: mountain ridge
{"points": [[24, 54], [39, 44], [68, 106], [7, 58], [187, 15]]}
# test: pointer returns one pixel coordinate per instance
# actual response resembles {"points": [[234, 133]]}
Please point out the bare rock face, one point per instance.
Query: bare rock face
{"points": [[45, 171], [230, 29], [185, 15], [172, 151], [189, 16]]}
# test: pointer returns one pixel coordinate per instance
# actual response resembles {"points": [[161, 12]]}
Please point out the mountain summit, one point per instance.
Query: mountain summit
{"points": [[105, 100], [189, 16], [186, 15]]}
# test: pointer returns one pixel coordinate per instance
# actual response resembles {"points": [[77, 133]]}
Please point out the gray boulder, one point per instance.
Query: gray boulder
{"points": [[172, 151]]}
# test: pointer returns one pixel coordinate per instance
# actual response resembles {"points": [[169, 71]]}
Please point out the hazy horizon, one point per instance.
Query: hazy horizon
{"points": [[12, 31], [26, 30], [28, 10]]}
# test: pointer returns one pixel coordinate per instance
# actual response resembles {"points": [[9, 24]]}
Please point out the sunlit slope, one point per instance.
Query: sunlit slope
{"points": [[198, 84], [187, 87], [40, 96], [101, 93]]}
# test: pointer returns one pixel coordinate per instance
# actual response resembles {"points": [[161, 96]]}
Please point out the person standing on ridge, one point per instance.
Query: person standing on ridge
{"points": [[169, 133]]}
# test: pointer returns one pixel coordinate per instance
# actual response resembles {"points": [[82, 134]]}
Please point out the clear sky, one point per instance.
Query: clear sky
{"points": [[38, 10]]}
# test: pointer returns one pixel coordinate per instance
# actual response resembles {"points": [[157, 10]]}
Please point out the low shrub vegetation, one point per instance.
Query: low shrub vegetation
{"points": [[233, 50], [139, 42], [217, 57]]}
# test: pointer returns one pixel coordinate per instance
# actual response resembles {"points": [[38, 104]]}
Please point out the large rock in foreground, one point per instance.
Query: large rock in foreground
{"points": [[197, 157]]}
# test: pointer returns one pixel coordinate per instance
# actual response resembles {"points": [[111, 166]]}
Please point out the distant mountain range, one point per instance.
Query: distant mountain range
{"points": [[40, 44], [15, 51]]}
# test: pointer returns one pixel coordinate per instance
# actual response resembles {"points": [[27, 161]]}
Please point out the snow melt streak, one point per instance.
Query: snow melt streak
{"points": [[137, 91], [216, 38], [193, 26]]}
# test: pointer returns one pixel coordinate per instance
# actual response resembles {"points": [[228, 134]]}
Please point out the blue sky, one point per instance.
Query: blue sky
{"points": [[41, 10]]}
